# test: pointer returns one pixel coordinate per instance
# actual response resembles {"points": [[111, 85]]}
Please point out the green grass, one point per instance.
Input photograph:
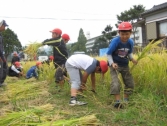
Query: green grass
{"points": [[144, 108], [39, 103]]}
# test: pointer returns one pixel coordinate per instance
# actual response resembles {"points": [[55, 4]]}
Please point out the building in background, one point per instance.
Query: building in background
{"points": [[154, 23], [87, 35], [90, 43], [137, 37]]}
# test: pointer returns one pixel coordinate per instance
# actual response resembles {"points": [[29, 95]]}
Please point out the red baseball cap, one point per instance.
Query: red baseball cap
{"points": [[103, 66], [125, 26], [51, 57], [66, 37], [17, 64], [57, 30], [38, 63]]}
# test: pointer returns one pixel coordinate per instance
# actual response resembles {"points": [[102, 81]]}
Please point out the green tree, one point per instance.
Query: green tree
{"points": [[68, 46], [132, 15], [108, 34], [80, 44], [103, 40], [99, 44], [11, 42]]}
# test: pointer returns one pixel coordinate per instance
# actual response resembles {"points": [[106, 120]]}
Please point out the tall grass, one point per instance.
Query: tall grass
{"points": [[151, 73], [29, 103]]}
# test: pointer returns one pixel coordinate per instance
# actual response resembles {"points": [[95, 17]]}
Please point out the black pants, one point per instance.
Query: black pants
{"points": [[60, 73], [13, 73], [3, 71]]}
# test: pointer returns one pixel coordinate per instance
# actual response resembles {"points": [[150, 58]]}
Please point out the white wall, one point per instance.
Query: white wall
{"points": [[138, 36]]}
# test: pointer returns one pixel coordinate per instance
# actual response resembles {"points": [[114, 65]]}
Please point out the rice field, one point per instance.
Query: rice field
{"points": [[39, 103]]}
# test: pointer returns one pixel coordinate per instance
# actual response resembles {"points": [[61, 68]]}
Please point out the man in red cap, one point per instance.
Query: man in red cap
{"points": [[3, 64], [60, 54], [119, 53], [15, 70], [90, 66]]}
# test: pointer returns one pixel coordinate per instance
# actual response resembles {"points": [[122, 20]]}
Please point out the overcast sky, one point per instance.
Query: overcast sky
{"points": [[32, 20]]}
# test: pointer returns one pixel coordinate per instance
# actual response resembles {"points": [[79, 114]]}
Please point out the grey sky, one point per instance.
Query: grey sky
{"points": [[32, 20]]}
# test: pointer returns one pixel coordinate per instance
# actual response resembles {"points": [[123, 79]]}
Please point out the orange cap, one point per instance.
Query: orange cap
{"points": [[66, 37], [51, 57], [103, 66], [17, 64], [38, 63], [125, 26], [57, 30]]}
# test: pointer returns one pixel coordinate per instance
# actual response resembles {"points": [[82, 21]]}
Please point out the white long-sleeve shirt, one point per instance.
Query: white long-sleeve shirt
{"points": [[14, 69]]}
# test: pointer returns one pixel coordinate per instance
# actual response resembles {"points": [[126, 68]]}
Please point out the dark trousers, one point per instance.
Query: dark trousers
{"points": [[3, 71], [13, 73], [60, 73]]}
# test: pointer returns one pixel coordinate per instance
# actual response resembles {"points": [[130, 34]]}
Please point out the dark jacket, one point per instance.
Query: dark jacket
{"points": [[59, 50], [15, 59], [1, 47]]}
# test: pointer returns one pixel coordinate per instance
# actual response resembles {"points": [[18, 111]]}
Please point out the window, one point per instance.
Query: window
{"points": [[163, 29], [137, 38]]}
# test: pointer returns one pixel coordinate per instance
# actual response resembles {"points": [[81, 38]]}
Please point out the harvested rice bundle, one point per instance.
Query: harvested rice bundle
{"points": [[32, 49], [86, 120]]}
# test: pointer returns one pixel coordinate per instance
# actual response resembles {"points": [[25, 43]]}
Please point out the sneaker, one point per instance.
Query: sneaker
{"points": [[126, 100], [74, 102], [118, 105]]}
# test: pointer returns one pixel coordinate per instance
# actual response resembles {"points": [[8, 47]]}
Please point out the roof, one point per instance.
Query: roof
{"points": [[156, 8], [139, 23]]}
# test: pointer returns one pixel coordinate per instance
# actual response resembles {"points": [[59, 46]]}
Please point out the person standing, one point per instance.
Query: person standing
{"points": [[3, 64], [60, 54], [118, 55]]}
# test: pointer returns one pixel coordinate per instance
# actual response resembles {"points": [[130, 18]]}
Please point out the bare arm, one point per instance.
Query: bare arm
{"points": [[84, 79], [93, 80]]}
